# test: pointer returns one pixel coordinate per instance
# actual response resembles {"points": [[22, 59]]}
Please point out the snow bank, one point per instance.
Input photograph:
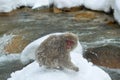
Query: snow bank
{"points": [[67, 3], [117, 11], [28, 54], [112, 4], [57, 3], [102, 5], [36, 3], [87, 71], [9, 5]]}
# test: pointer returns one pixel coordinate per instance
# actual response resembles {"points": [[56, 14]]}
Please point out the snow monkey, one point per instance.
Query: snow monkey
{"points": [[54, 52]]}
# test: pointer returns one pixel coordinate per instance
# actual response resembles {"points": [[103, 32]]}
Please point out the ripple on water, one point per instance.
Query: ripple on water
{"points": [[101, 42]]}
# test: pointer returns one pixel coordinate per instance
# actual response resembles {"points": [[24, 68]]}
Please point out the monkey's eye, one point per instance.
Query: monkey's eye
{"points": [[70, 42]]}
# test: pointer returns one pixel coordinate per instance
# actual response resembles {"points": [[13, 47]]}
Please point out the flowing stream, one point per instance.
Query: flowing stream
{"points": [[30, 24]]}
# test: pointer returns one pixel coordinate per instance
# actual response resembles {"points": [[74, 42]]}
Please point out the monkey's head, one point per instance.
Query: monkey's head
{"points": [[70, 40]]}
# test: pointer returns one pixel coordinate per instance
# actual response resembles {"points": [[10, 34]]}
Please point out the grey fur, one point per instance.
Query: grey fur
{"points": [[52, 52]]}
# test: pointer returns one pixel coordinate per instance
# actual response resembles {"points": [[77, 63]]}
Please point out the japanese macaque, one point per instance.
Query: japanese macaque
{"points": [[54, 52]]}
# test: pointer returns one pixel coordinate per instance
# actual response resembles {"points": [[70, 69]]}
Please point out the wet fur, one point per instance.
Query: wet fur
{"points": [[53, 52]]}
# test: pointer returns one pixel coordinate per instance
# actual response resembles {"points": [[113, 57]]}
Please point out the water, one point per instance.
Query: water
{"points": [[8, 67], [114, 73], [34, 24]]}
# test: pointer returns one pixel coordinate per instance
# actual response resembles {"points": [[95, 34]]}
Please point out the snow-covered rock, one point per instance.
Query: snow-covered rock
{"points": [[102, 5], [87, 71], [34, 72], [117, 11]]}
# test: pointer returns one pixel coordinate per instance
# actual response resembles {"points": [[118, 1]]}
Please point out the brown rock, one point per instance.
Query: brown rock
{"points": [[108, 56], [73, 9], [87, 15], [111, 23], [16, 45], [56, 10]]}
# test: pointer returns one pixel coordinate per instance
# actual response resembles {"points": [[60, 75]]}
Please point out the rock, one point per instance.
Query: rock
{"points": [[73, 9], [111, 23], [108, 56], [56, 10], [88, 15], [16, 45]]}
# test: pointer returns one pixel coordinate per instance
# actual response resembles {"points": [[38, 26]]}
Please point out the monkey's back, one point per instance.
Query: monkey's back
{"points": [[50, 50]]}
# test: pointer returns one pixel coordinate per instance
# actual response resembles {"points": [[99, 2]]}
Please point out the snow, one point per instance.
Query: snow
{"points": [[102, 5], [28, 55], [9, 5], [117, 11], [9, 58], [67, 3], [36, 3], [33, 71], [87, 72], [112, 4]]}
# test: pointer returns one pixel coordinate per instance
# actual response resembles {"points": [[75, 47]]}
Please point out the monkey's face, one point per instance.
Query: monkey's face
{"points": [[71, 42]]}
